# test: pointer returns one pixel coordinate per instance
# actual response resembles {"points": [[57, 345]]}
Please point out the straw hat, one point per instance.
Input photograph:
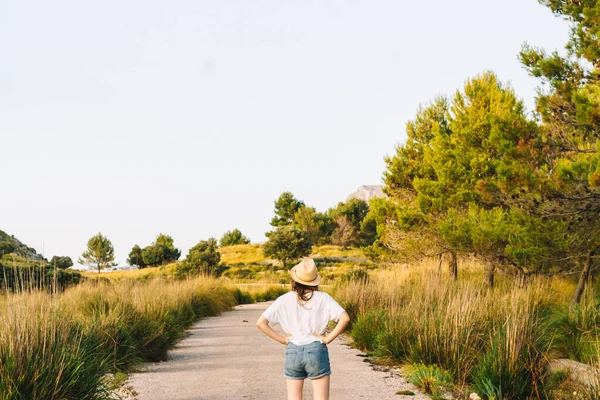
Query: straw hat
{"points": [[306, 273]]}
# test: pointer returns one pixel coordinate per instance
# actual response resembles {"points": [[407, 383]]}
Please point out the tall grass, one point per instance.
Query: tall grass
{"points": [[60, 346], [496, 341]]}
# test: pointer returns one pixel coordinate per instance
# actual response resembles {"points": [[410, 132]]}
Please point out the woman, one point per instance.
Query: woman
{"points": [[303, 314]]}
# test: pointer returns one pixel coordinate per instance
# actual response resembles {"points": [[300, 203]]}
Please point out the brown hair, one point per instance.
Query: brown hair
{"points": [[304, 292]]}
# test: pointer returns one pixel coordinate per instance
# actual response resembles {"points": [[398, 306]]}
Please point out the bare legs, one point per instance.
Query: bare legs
{"points": [[294, 388], [320, 388]]}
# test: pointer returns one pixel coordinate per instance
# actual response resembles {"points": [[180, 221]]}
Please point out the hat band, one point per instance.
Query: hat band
{"points": [[306, 278]]}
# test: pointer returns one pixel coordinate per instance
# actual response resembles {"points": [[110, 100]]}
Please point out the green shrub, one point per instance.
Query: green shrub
{"points": [[271, 293], [429, 378], [395, 339], [366, 328], [43, 357], [356, 275], [243, 297], [514, 365], [577, 330]]}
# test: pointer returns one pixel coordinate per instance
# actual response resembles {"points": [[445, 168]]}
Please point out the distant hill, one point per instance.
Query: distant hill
{"points": [[367, 192], [11, 245]]}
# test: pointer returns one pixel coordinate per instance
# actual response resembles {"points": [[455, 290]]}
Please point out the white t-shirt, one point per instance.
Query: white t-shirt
{"points": [[302, 322]]}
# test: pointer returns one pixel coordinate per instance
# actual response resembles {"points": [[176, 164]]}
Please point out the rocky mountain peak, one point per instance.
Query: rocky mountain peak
{"points": [[367, 192]]}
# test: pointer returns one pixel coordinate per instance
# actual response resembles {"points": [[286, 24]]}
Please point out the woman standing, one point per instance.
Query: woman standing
{"points": [[304, 314]]}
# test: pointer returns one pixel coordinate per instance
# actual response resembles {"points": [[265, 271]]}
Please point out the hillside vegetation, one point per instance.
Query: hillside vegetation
{"points": [[11, 245], [463, 337]]}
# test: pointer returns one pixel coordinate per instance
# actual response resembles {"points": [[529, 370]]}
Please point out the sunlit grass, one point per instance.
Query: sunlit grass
{"points": [[495, 340], [55, 346], [253, 253], [148, 273], [336, 251]]}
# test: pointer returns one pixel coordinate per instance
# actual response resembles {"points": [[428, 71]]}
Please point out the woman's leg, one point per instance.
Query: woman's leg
{"points": [[320, 388], [294, 388]]}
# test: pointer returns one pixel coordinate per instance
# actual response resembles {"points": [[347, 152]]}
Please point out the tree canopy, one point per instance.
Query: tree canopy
{"points": [[233, 237], [203, 258], [286, 207], [99, 253], [287, 243]]}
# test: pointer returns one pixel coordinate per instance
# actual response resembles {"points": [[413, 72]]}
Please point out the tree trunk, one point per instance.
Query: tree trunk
{"points": [[453, 266], [583, 278], [98, 268], [489, 274]]}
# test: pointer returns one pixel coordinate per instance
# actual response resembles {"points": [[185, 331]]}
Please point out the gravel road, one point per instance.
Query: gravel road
{"points": [[228, 358]]}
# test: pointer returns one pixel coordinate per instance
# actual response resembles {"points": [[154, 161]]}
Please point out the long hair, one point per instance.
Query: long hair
{"points": [[304, 292]]}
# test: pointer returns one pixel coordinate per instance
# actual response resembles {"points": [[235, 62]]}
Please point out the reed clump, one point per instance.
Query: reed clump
{"points": [[62, 345], [495, 341]]}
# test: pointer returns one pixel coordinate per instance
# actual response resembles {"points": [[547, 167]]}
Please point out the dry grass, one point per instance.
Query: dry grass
{"points": [[253, 253], [55, 346], [242, 254], [149, 273], [487, 338], [336, 251]]}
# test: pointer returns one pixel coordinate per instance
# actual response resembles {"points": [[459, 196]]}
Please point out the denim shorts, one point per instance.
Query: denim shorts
{"points": [[307, 361]]}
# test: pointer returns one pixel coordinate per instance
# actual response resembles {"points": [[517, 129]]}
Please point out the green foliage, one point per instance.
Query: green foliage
{"points": [[429, 378], [161, 252], [366, 328], [99, 253], [136, 258], [356, 275], [318, 226], [242, 297], [6, 247], [349, 229], [203, 258], [463, 180], [286, 207], [578, 329], [287, 243], [61, 262], [232, 238], [57, 364], [569, 109], [37, 276], [271, 293], [11, 245], [513, 367], [62, 346]]}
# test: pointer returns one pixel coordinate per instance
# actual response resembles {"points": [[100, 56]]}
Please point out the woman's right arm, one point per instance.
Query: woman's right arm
{"points": [[263, 325], [343, 321]]}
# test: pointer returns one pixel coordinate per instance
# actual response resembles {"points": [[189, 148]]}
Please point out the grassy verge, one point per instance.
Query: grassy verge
{"points": [[62, 346], [496, 342]]}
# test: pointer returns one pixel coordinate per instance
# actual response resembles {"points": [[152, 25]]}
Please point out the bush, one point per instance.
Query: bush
{"points": [[37, 275], [271, 293], [366, 328], [356, 275], [578, 330], [514, 365], [43, 356], [480, 337], [243, 297], [429, 378]]}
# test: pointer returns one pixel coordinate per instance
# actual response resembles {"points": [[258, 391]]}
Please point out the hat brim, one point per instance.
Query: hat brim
{"points": [[314, 282]]}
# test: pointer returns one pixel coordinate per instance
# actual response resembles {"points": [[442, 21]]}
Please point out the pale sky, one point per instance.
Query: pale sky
{"points": [[189, 118]]}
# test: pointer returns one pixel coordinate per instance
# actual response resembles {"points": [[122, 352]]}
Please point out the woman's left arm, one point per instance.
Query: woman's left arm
{"points": [[263, 325], [343, 321]]}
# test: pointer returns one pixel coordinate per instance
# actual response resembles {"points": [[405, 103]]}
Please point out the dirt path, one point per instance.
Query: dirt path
{"points": [[226, 358]]}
